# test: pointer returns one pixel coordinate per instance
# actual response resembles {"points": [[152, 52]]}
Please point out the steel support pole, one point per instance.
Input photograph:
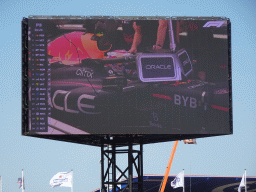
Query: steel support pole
{"points": [[130, 165], [135, 161], [113, 162], [102, 187]]}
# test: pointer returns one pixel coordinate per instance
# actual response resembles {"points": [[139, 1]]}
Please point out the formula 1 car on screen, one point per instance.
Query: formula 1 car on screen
{"points": [[96, 98], [147, 93]]}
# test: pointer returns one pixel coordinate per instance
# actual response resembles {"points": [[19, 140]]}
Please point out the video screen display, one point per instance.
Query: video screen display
{"points": [[128, 76]]}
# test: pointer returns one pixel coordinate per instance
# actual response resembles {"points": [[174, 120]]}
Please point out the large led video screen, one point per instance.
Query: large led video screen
{"points": [[117, 76]]}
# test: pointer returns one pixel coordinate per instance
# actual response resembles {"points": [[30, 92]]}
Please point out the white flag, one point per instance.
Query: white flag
{"points": [[242, 184], [119, 185], [178, 181], [62, 179]]}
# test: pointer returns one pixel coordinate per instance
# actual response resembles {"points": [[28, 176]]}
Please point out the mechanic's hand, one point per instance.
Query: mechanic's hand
{"points": [[133, 50], [157, 47]]}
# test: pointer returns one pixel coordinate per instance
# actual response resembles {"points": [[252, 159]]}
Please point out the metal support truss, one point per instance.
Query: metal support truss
{"points": [[109, 180]]}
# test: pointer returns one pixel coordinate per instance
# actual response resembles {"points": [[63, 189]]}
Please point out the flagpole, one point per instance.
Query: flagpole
{"points": [[1, 183], [183, 181], [72, 181], [22, 181], [245, 180], [190, 170]]}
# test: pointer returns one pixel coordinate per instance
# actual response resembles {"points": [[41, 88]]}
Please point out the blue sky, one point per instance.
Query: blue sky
{"points": [[41, 159]]}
